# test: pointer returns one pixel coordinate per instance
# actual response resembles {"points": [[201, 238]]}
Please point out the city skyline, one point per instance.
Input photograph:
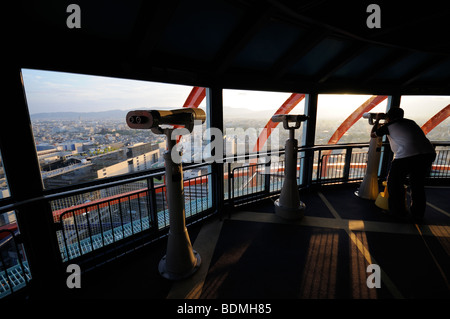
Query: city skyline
{"points": [[50, 92], [56, 95], [98, 135]]}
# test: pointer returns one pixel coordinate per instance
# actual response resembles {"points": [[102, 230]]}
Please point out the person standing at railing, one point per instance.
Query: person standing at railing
{"points": [[413, 157]]}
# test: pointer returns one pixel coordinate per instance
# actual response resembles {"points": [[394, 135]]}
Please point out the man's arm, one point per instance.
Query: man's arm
{"points": [[374, 128]]}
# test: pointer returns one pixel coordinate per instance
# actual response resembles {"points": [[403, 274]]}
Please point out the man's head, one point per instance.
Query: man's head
{"points": [[395, 113]]}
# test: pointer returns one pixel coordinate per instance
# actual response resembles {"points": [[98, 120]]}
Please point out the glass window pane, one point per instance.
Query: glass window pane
{"points": [[80, 129], [246, 113], [423, 108], [334, 109]]}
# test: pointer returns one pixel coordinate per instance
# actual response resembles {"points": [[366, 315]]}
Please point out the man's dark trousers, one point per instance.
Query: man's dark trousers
{"points": [[417, 167]]}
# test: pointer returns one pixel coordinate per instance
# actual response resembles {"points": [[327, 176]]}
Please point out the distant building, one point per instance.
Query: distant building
{"points": [[61, 168], [7, 218], [4, 192], [192, 173], [110, 158], [138, 163], [141, 148], [113, 170], [77, 147], [44, 147], [69, 175]]}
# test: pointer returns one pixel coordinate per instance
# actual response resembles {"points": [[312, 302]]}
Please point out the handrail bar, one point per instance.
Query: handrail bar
{"points": [[54, 194]]}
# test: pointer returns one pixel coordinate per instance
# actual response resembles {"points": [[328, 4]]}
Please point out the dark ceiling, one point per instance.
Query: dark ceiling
{"points": [[321, 46]]}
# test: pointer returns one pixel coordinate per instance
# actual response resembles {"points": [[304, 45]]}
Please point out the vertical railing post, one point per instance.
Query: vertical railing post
{"points": [[229, 174], [308, 137], [348, 157], [319, 166], [231, 194], [153, 209], [267, 175]]}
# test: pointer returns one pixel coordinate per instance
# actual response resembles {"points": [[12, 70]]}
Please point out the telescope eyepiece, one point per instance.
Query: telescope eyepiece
{"points": [[372, 117], [137, 119]]}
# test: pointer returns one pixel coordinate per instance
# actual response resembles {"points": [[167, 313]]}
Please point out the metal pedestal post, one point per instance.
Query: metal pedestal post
{"points": [[369, 186], [180, 260], [289, 206]]}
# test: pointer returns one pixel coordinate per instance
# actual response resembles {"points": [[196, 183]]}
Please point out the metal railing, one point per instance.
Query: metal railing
{"points": [[84, 228], [14, 271], [250, 182], [347, 165], [441, 165], [332, 164], [112, 214]]}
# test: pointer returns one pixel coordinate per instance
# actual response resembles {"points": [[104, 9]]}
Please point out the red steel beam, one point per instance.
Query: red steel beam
{"points": [[355, 116], [348, 123], [285, 108], [195, 97], [193, 100], [436, 119]]}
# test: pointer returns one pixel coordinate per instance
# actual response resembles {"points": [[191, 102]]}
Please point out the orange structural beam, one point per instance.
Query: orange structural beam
{"points": [[348, 123], [355, 116], [195, 97], [436, 119], [193, 100], [285, 108]]}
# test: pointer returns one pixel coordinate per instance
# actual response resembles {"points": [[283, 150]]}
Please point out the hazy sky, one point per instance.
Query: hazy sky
{"points": [[67, 92], [48, 91]]}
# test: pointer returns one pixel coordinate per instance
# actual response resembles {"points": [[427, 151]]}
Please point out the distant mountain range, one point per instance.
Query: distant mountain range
{"points": [[229, 113], [109, 115]]}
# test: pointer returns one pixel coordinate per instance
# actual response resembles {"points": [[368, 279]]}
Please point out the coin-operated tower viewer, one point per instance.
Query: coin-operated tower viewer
{"points": [[289, 206], [180, 260], [369, 186]]}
